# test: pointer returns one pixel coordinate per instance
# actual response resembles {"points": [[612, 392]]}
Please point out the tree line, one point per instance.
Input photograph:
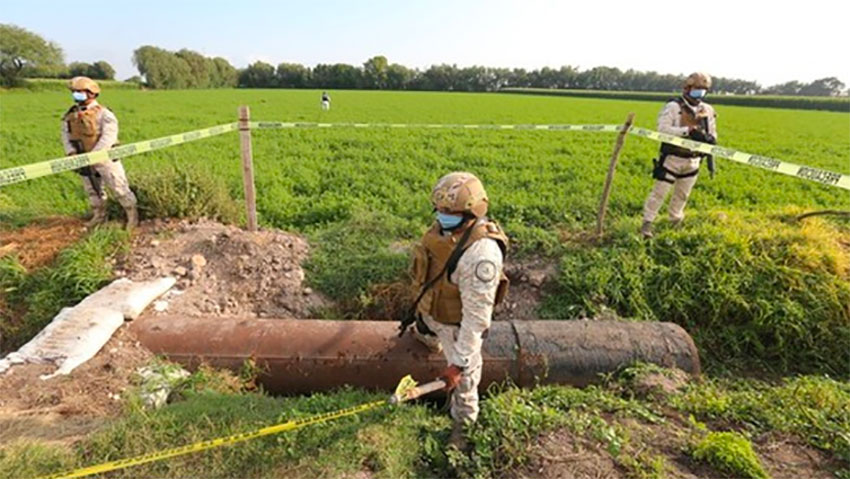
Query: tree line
{"points": [[26, 54]]}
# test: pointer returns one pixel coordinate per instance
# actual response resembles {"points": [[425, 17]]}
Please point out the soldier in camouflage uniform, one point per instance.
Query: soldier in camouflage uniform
{"points": [[459, 268], [88, 126], [686, 116]]}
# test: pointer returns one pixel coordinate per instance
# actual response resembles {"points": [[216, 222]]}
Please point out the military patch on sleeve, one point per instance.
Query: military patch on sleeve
{"points": [[485, 271]]}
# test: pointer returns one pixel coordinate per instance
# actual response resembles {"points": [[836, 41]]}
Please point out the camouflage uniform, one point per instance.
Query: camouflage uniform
{"points": [[111, 173], [669, 121], [477, 276]]}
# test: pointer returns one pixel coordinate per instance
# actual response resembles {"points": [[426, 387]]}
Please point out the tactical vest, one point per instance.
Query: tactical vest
{"points": [[687, 118], [442, 301], [83, 127]]}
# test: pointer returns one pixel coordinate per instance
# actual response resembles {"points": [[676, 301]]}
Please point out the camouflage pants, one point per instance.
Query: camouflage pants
{"points": [[112, 176], [464, 400], [681, 189]]}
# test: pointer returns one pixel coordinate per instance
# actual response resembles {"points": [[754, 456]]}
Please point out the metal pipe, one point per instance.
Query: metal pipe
{"points": [[301, 356]]}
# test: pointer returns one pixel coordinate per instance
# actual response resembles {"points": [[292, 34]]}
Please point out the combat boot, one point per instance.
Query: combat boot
{"points": [[132, 218], [98, 217], [646, 229], [457, 439]]}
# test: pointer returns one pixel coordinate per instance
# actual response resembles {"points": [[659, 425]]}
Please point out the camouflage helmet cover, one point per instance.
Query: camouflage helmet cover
{"points": [[698, 80], [460, 192], [84, 83]]}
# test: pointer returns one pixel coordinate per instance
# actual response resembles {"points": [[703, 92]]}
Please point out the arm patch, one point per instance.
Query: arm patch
{"points": [[485, 271]]}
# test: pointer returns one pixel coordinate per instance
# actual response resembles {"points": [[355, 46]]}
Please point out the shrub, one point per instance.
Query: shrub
{"points": [[750, 290], [180, 192]]}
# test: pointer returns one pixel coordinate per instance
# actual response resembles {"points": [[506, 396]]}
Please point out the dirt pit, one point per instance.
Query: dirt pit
{"points": [[38, 243], [223, 270], [65, 408]]}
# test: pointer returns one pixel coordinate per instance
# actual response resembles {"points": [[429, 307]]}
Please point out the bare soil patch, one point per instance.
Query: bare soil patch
{"points": [[38, 243], [223, 270]]}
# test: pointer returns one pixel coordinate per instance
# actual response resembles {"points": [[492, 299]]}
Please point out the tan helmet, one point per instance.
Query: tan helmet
{"points": [[84, 83], [460, 192], [698, 80]]}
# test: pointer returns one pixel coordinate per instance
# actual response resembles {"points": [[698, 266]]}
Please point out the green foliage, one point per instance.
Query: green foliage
{"points": [[34, 298], [512, 419], [823, 102], [751, 290], [21, 48], [101, 70], [351, 256], [179, 191], [183, 69], [61, 85], [730, 452], [815, 408], [387, 444]]}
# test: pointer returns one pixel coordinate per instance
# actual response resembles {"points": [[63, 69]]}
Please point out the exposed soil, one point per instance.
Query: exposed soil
{"points": [[39, 242], [66, 408], [562, 455], [529, 278], [223, 270]]}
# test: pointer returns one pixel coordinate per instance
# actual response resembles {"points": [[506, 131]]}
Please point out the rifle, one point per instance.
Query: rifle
{"points": [[709, 158], [88, 171]]}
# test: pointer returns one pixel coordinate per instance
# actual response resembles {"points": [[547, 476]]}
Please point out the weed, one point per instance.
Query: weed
{"points": [[730, 452]]}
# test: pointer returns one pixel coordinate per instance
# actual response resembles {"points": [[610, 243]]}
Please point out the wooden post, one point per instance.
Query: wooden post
{"points": [[606, 191], [247, 166]]}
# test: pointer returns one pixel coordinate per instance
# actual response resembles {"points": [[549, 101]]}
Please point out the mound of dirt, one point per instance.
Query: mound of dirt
{"points": [[223, 270], [65, 408]]}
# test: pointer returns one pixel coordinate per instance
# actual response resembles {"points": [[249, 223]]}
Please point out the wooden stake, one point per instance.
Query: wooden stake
{"points": [[247, 166], [606, 191]]}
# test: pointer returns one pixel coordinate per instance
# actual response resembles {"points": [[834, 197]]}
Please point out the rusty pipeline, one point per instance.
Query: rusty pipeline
{"points": [[301, 356]]}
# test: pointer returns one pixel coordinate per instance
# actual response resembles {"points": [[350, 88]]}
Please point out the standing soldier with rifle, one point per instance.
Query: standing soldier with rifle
{"points": [[88, 126], [686, 116], [457, 270]]}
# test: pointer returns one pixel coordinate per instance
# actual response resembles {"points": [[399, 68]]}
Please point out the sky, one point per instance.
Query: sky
{"points": [[769, 42]]}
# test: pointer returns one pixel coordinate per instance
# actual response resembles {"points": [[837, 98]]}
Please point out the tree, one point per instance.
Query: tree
{"points": [[399, 77], [829, 86], [226, 76], [103, 71], [293, 75], [375, 73], [257, 75], [161, 68], [199, 76], [20, 48]]}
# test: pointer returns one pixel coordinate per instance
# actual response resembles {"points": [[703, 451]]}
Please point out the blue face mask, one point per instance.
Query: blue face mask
{"points": [[79, 96], [448, 222], [698, 93]]}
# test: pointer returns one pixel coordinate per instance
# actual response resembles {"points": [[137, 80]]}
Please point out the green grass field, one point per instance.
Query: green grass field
{"points": [[537, 180], [355, 191], [754, 289]]}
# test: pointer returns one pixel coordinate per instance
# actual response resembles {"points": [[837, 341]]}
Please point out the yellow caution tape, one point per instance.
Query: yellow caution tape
{"points": [[825, 177], [218, 442], [17, 174], [26, 172], [261, 125]]}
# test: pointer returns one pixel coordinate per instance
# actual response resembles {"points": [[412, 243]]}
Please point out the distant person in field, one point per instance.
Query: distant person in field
{"points": [[88, 126], [457, 272], [326, 101], [686, 116]]}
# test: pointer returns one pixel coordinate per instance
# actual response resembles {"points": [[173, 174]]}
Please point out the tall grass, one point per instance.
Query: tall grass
{"points": [[32, 299], [754, 291]]}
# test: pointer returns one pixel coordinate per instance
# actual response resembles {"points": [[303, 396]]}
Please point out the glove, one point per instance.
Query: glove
{"points": [[451, 376], [698, 135]]}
